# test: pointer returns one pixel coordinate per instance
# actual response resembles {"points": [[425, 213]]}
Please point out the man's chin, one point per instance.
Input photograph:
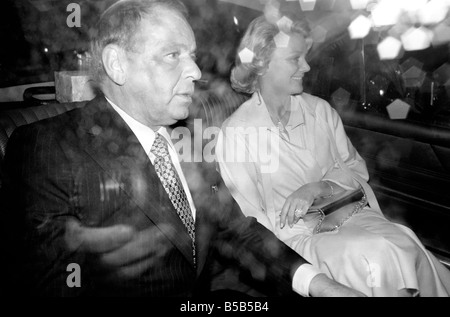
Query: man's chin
{"points": [[184, 114], [180, 116]]}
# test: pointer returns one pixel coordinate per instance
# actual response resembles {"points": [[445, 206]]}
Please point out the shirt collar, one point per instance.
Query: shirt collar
{"points": [[144, 134], [297, 117], [263, 119]]}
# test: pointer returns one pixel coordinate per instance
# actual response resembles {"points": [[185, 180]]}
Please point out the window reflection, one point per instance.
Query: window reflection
{"points": [[369, 56], [352, 77]]}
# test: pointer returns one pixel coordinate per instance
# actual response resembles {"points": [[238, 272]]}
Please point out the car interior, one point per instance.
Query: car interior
{"points": [[390, 84]]}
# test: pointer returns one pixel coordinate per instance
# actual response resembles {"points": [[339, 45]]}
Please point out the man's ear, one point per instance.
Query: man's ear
{"points": [[113, 58]]}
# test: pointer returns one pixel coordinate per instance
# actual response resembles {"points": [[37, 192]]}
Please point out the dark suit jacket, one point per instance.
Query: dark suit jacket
{"points": [[88, 165]]}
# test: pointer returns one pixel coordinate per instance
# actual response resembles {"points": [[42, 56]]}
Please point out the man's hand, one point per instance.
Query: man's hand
{"points": [[96, 240], [322, 286], [121, 251]]}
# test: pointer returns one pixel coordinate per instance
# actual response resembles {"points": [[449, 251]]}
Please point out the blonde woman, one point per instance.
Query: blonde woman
{"points": [[368, 252]]}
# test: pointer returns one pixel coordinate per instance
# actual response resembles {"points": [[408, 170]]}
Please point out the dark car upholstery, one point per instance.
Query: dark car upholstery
{"points": [[409, 167]]}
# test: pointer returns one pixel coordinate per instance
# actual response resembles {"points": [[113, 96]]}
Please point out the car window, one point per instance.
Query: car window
{"points": [[414, 86], [40, 37], [346, 67]]}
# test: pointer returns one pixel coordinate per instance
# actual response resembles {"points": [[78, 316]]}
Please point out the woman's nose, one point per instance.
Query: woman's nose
{"points": [[304, 66]]}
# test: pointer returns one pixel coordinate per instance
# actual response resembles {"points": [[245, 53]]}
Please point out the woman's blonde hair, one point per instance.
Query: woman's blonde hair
{"points": [[259, 38]]}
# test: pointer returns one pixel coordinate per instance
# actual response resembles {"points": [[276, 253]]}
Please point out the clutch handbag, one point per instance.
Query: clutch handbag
{"points": [[332, 212], [327, 205]]}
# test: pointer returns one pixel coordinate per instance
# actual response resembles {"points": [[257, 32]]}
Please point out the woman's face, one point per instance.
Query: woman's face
{"points": [[284, 75]]}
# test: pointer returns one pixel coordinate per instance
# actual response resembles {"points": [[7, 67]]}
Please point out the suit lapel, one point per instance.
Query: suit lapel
{"points": [[112, 145]]}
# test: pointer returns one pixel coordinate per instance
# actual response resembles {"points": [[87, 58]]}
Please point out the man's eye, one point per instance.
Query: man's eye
{"points": [[173, 55], [194, 57]]}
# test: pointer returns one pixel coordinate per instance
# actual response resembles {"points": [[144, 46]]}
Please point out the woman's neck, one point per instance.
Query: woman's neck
{"points": [[278, 107]]}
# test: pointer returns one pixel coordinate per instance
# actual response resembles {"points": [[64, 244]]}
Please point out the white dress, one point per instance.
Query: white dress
{"points": [[262, 166]]}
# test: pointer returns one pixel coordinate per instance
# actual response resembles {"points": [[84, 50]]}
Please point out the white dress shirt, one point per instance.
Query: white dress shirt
{"points": [[146, 136]]}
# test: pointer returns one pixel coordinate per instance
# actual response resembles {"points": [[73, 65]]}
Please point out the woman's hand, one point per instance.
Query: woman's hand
{"points": [[298, 203]]}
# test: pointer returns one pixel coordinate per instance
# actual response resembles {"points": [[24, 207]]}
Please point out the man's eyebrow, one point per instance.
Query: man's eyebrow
{"points": [[177, 46], [169, 47]]}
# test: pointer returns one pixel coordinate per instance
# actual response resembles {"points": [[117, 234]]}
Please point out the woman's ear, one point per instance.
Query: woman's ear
{"points": [[114, 63], [263, 70]]}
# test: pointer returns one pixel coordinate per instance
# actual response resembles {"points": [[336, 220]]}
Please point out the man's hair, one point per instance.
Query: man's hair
{"points": [[259, 38], [119, 25]]}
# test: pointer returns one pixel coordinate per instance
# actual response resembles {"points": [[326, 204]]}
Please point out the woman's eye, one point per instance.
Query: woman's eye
{"points": [[298, 59]]}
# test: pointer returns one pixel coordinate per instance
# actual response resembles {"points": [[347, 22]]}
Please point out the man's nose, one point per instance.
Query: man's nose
{"points": [[193, 71]]}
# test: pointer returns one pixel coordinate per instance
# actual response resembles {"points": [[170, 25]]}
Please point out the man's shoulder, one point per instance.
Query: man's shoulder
{"points": [[49, 126], [65, 121], [69, 127]]}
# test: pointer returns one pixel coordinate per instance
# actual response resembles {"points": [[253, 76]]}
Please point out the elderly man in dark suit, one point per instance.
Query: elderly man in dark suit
{"points": [[102, 188]]}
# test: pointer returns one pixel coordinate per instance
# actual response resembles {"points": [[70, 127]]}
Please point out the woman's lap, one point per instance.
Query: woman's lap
{"points": [[369, 253]]}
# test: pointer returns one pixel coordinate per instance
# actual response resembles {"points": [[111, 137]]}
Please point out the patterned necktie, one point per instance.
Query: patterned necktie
{"points": [[172, 184]]}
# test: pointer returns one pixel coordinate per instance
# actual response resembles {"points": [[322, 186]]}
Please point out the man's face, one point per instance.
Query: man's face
{"points": [[161, 73]]}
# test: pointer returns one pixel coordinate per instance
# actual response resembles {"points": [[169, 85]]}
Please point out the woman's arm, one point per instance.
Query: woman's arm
{"points": [[240, 176], [348, 153]]}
